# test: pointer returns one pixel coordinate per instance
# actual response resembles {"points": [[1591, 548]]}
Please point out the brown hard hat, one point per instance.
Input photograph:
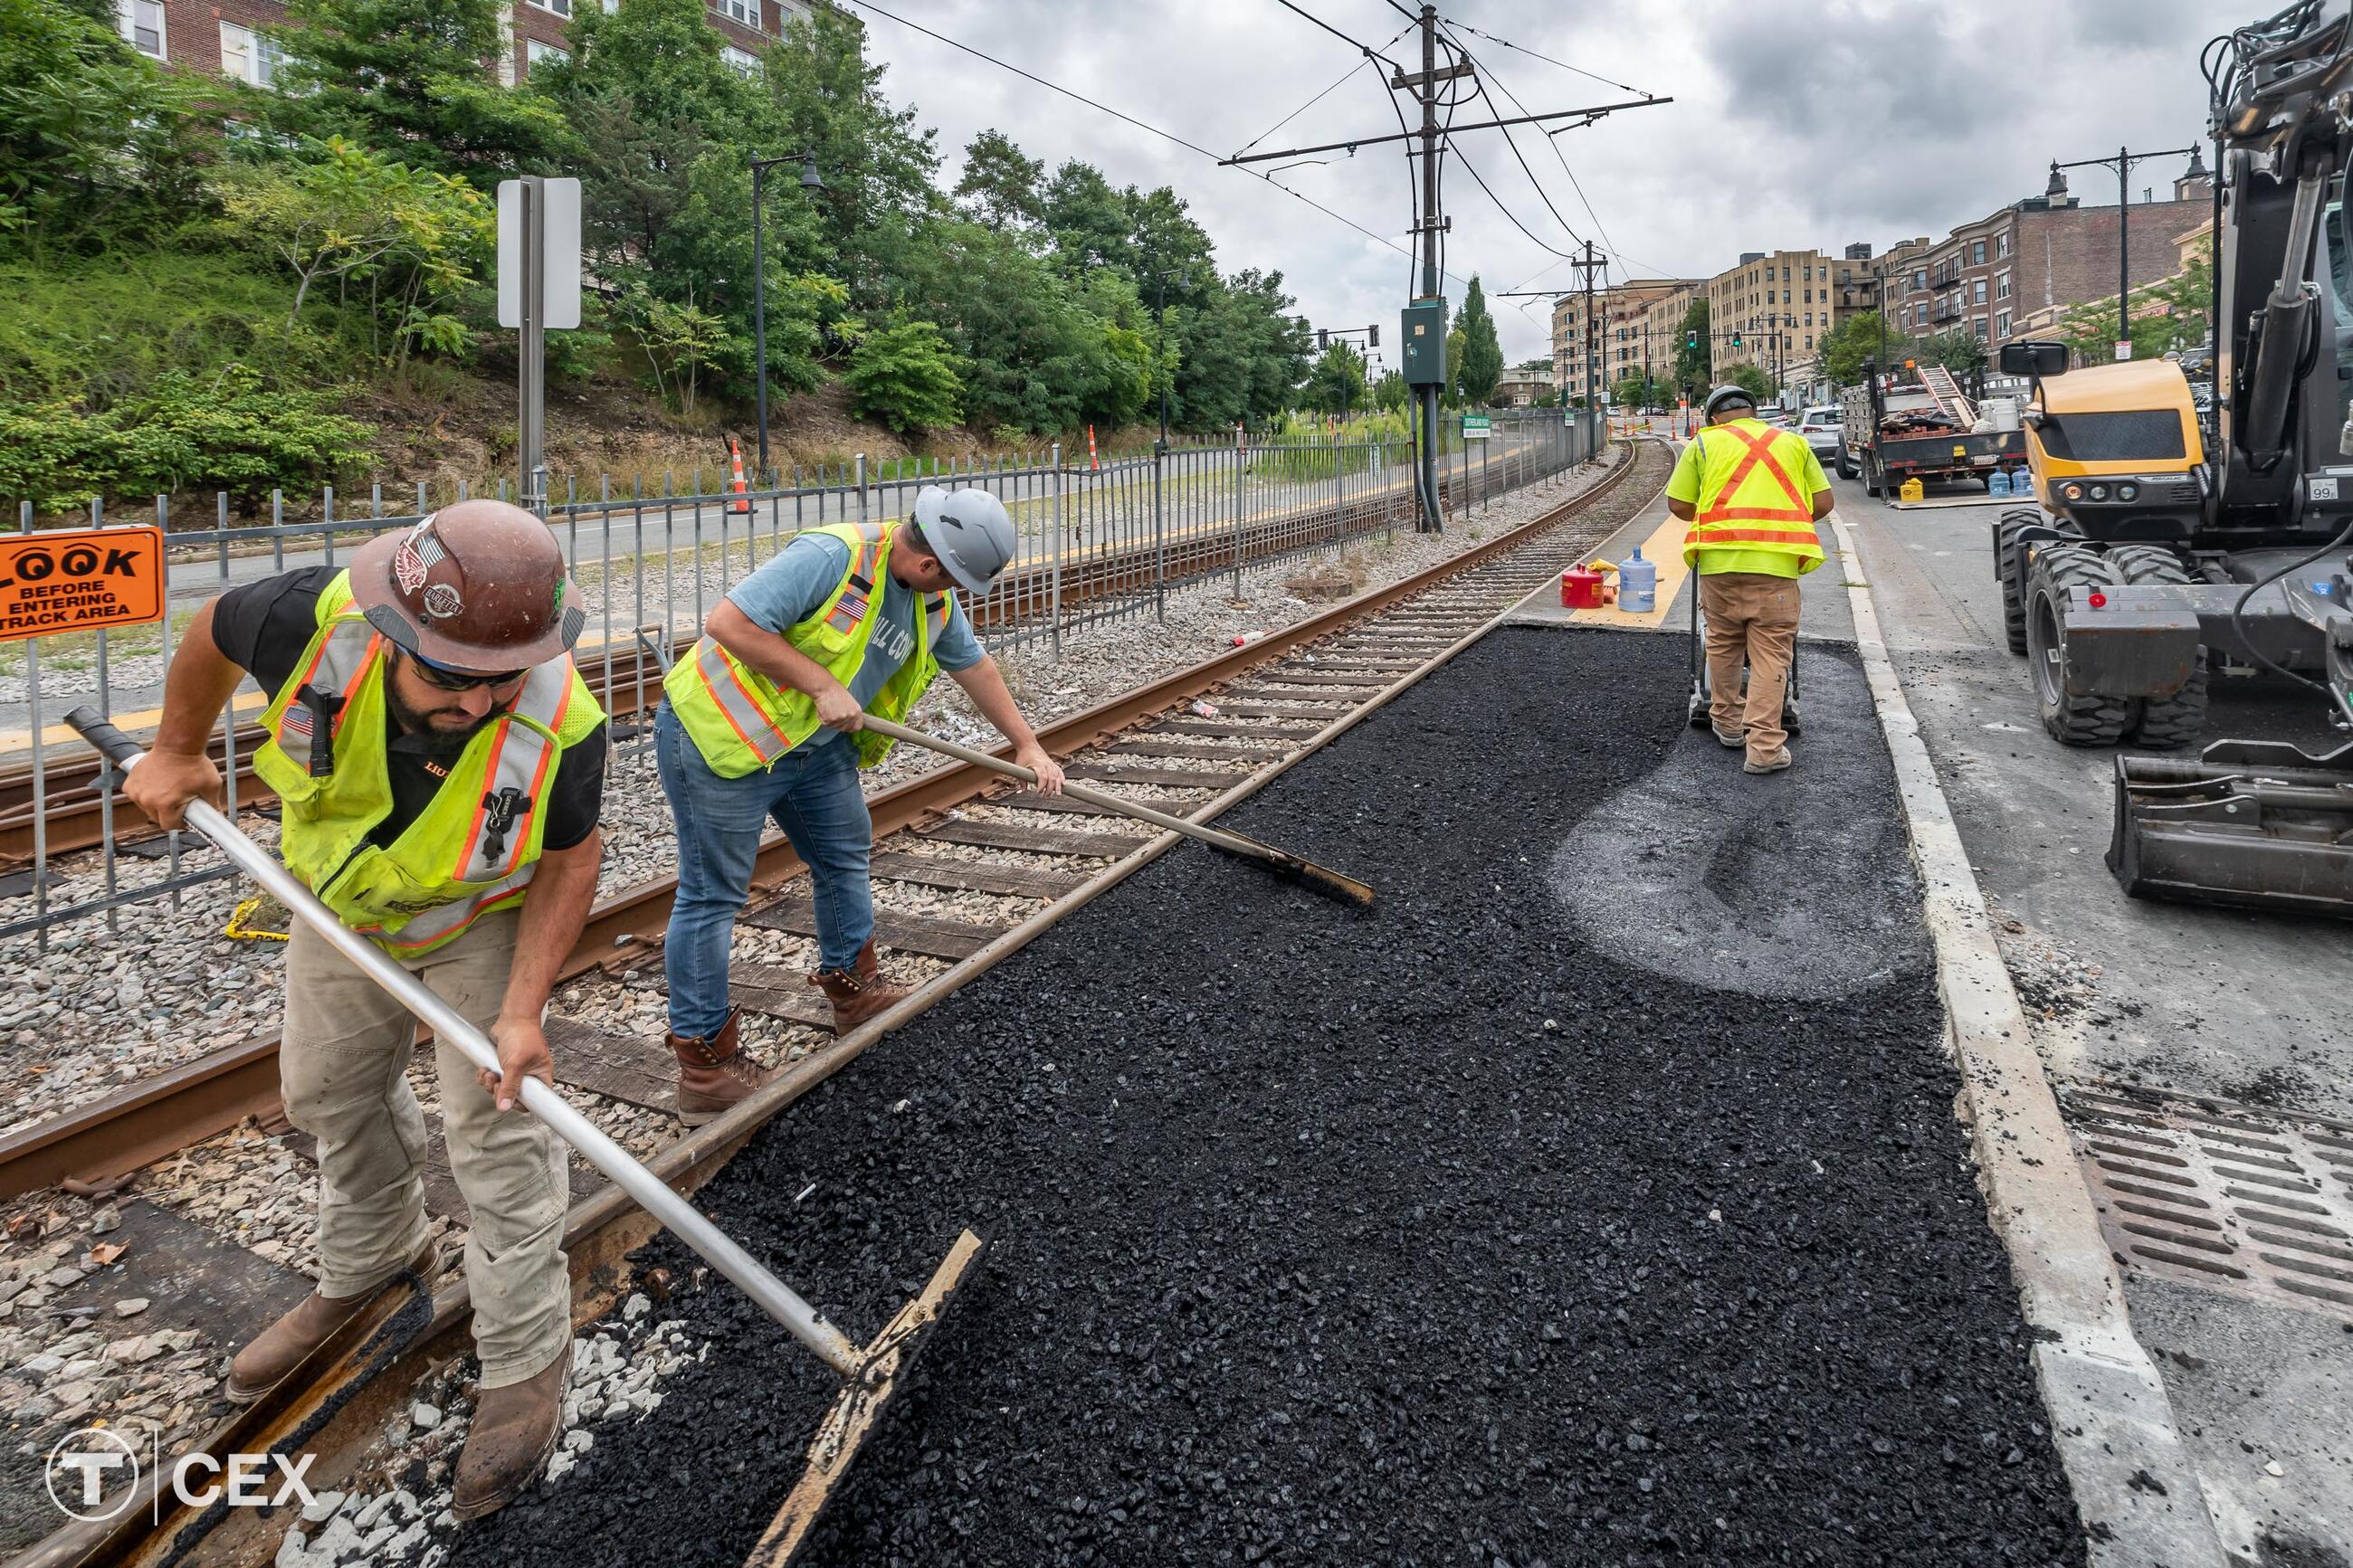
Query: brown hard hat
{"points": [[479, 586]]}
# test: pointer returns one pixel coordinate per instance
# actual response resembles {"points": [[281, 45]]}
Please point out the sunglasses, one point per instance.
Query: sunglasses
{"points": [[450, 679]]}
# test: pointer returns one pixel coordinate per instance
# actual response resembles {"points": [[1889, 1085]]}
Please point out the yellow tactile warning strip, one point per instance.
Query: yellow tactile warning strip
{"points": [[1664, 548]]}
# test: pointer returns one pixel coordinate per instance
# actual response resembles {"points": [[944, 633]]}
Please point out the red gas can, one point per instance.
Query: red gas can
{"points": [[1580, 589]]}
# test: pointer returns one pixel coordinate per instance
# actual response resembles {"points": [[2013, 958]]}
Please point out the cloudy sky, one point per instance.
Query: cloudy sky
{"points": [[1793, 125]]}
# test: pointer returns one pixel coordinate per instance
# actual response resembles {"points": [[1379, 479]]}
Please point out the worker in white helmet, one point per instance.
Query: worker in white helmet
{"points": [[763, 720]]}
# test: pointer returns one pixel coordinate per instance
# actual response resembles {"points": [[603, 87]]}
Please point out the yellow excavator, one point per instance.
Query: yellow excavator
{"points": [[2160, 553]]}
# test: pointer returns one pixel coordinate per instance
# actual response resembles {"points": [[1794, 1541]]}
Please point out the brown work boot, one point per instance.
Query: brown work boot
{"points": [[278, 1349], [514, 1430], [714, 1074], [1772, 765], [858, 993]]}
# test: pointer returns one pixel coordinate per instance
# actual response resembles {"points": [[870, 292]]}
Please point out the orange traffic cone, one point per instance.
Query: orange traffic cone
{"points": [[742, 502], [1093, 461]]}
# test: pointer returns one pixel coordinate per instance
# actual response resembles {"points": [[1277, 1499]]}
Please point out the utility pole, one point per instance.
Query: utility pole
{"points": [[1589, 264], [1419, 316], [2122, 163], [1431, 522]]}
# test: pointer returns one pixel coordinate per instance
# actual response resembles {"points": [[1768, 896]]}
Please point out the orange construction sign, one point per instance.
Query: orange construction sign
{"points": [[80, 580]]}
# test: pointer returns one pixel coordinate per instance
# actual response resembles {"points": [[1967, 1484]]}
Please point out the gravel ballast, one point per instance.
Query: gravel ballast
{"points": [[1433, 1236]]}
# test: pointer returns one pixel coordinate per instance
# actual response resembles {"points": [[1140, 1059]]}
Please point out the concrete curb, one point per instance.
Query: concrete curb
{"points": [[2112, 1420]]}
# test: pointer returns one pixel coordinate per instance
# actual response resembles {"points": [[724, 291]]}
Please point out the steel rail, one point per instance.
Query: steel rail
{"points": [[338, 1388], [146, 1121]]}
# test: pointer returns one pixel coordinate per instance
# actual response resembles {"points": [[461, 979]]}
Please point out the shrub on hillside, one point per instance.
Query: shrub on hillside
{"points": [[906, 376], [183, 435]]}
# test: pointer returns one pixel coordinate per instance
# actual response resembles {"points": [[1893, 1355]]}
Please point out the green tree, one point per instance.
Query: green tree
{"points": [[1961, 351], [1753, 380], [1455, 344], [407, 241], [1842, 350], [2173, 313], [1483, 356], [95, 141], [1389, 392], [406, 78], [1001, 187], [1337, 384], [1694, 355], [905, 375]]}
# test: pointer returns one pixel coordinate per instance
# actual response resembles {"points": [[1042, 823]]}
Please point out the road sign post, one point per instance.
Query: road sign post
{"points": [[539, 290]]}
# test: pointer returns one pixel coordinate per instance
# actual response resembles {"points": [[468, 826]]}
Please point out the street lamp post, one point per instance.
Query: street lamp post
{"points": [[1160, 337], [812, 184], [2122, 163]]}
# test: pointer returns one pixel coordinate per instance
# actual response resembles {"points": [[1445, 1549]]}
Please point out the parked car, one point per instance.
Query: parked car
{"points": [[1822, 427]]}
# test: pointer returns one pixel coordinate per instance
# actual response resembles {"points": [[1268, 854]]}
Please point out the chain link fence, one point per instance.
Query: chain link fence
{"points": [[1101, 540]]}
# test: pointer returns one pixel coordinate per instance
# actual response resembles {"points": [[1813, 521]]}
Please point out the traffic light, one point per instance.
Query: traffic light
{"points": [[1735, 339], [1323, 339], [1691, 340], [1373, 342]]}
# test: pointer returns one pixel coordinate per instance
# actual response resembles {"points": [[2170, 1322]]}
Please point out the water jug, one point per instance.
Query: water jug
{"points": [[1638, 584]]}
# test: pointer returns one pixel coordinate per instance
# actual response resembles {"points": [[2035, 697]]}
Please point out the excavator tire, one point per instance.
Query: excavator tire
{"points": [[2165, 722], [2010, 567], [2097, 719]]}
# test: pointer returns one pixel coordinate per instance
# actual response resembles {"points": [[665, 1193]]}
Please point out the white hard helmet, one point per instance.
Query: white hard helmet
{"points": [[969, 530]]}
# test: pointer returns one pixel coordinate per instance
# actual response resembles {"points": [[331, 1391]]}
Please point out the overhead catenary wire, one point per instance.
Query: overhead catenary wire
{"points": [[1168, 136], [1352, 70], [1522, 48]]}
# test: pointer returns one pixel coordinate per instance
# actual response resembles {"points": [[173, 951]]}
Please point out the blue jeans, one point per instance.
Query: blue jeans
{"points": [[812, 793]]}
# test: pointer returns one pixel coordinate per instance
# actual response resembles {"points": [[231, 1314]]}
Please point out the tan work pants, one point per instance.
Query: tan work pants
{"points": [[343, 1067], [1750, 616]]}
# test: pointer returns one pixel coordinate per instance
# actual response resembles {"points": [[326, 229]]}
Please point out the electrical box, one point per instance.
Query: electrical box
{"points": [[1422, 330]]}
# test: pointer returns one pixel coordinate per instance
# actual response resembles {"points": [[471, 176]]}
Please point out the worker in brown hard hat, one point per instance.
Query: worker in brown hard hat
{"points": [[439, 765]]}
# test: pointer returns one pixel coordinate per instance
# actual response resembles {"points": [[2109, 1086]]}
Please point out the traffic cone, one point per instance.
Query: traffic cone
{"points": [[742, 502], [1093, 463]]}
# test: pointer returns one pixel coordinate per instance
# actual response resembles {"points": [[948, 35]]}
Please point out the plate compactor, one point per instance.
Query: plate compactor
{"points": [[1697, 713], [2164, 550]]}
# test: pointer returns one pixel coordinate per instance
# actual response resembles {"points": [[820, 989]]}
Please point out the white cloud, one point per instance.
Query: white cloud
{"points": [[1793, 125]]}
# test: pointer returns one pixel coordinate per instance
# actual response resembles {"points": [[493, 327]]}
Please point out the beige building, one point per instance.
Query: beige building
{"points": [[1779, 304], [1624, 335]]}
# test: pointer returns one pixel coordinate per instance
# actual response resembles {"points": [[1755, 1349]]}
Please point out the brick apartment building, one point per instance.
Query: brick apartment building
{"points": [[223, 38], [2014, 270]]}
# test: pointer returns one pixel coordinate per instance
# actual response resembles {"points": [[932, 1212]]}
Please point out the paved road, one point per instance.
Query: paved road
{"points": [[2241, 1007]]}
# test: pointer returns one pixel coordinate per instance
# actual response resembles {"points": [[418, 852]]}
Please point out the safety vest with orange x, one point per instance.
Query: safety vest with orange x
{"points": [[1750, 503]]}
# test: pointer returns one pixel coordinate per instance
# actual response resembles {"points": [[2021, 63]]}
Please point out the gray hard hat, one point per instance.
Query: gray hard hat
{"points": [[1725, 396], [969, 531]]}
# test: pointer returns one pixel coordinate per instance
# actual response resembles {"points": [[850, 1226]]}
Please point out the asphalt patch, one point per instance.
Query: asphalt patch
{"points": [[1794, 884], [1435, 1235]]}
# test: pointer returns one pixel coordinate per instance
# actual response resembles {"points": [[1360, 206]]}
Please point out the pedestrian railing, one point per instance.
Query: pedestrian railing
{"points": [[1100, 542]]}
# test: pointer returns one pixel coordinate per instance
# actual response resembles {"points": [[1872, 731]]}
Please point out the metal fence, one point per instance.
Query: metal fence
{"points": [[1100, 541]]}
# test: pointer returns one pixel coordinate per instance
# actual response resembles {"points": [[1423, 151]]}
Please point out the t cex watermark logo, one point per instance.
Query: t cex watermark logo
{"points": [[93, 1475]]}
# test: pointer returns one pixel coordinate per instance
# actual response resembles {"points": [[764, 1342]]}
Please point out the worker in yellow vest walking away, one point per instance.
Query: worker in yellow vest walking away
{"points": [[1752, 495], [439, 765]]}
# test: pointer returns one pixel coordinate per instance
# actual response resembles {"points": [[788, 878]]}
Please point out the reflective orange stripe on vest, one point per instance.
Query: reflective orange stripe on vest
{"points": [[1704, 530]]}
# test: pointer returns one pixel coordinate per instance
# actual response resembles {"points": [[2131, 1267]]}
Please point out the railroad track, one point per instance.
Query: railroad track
{"points": [[1270, 705], [628, 680]]}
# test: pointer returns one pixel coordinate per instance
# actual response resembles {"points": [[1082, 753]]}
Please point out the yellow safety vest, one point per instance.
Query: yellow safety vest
{"points": [[470, 850], [1753, 504], [740, 721]]}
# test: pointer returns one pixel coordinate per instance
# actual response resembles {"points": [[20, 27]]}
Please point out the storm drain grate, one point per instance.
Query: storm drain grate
{"points": [[2257, 1203]]}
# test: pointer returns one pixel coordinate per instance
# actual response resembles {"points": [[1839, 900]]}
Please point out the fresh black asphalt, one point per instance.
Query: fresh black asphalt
{"points": [[1439, 1235]]}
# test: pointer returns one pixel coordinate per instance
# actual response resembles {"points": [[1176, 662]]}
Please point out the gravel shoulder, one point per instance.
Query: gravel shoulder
{"points": [[1440, 1235]]}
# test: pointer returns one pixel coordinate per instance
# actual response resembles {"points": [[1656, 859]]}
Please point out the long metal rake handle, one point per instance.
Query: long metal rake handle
{"points": [[774, 1298], [1228, 841]]}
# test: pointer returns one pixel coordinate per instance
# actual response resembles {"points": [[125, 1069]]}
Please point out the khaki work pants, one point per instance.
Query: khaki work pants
{"points": [[1750, 616], [343, 1067]]}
